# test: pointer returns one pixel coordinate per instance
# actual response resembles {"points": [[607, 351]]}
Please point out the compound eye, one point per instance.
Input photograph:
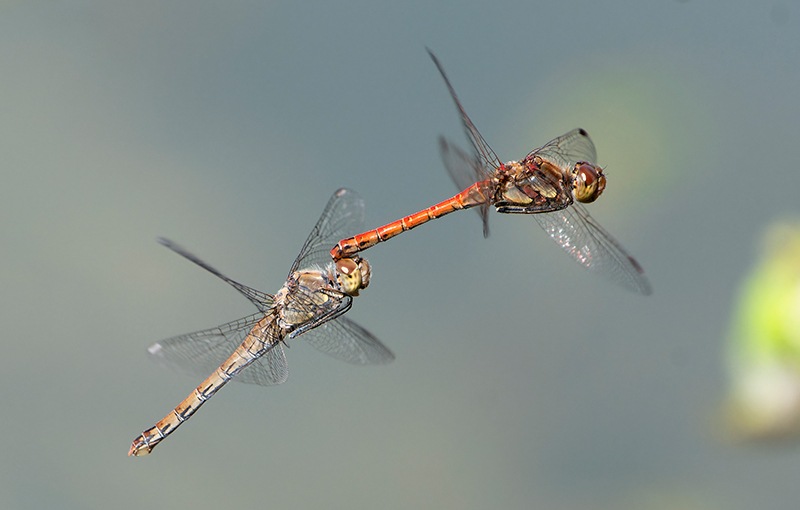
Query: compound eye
{"points": [[589, 182], [346, 266], [366, 271], [349, 275]]}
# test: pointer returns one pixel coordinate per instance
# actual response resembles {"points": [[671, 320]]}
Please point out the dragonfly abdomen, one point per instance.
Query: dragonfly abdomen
{"points": [[470, 197], [243, 356]]}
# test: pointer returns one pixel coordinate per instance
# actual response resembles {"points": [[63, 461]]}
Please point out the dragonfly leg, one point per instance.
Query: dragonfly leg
{"points": [[507, 208]]}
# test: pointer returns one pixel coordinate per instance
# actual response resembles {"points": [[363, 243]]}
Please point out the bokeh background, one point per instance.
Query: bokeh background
{"points": [[520, 380]]}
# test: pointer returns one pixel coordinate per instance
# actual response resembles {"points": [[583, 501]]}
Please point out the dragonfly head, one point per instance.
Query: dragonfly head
{"points": [[588, 182], [353, 274]]}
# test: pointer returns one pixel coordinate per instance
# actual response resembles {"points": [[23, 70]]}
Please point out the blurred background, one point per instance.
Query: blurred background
{"points": [[521, 381]]}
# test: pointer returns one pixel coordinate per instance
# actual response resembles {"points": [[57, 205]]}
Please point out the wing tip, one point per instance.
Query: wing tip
{"points": [[156, 350]]}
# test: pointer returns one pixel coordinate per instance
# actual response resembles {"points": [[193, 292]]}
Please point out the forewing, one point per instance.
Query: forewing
{"points": [[343, 217], [464, 170], [345, 340], [487, 156], [569, 148], [262, 300], [202, 352], [591, 246]]}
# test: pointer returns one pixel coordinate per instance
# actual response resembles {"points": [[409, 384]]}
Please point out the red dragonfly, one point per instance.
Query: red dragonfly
{"points": [[311, 302], [550, 183]]}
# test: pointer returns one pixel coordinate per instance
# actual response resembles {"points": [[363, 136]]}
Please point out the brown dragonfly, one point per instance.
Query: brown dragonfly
{"points": [[311, 302], [551, 183]]}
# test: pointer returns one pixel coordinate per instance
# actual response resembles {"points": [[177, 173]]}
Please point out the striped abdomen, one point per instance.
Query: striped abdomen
{"points": [[470, 197], [261, 339]]}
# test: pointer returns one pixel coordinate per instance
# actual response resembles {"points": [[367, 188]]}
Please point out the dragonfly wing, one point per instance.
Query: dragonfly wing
{"points": [[568, 149], [270, 369], [578, 234], [464, 170], [345, 340], [482, 149], [262, 300], [202, 352], [343, 217]]}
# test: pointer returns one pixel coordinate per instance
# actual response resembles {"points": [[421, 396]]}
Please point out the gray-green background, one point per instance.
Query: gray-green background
{"points": [[520, 380]]}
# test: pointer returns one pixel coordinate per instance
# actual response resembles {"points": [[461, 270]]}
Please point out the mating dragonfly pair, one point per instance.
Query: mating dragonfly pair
{"points": [[551, 182]]}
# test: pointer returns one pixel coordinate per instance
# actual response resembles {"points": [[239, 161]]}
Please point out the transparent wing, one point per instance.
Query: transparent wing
{"points": [[486, 155], [464, 170], [345, 340], [342, 218], [568, 149], [591, 246], [262, 300], [201, 352], [269, 369], [308, 313]]}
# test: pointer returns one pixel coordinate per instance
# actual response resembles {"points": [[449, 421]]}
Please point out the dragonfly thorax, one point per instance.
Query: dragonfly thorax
{"points": [[506, 184], [531, 184], [588, 182], [300, 299]]}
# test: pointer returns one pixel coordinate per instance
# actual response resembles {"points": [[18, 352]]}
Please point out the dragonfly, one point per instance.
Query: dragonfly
{"points": [[311, 303], [551, 183]]}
